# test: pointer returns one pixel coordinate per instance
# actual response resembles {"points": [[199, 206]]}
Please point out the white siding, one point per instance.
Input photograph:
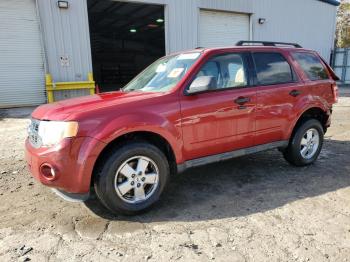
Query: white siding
{"points": [[240, 6], [66, 33], [21, 56], [310, 23], [182, 25]]}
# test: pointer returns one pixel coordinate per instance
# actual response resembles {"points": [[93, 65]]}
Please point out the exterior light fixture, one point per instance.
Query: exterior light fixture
{"points": [[63, 4], [262, 21], [133, 30], [160, 20]]}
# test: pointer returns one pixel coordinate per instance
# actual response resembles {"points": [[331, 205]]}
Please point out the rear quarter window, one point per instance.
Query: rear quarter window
{"points": [[311, 65]]}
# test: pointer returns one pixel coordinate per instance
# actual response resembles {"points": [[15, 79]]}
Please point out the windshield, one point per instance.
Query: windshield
{"points": [[164, 74]]}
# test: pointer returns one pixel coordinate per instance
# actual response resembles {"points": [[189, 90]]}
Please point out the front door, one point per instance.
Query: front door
{"points": [[222, 119]]}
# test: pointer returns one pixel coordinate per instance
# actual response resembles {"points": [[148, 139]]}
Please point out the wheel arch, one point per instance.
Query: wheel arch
{"points": [[138, 136], [311, 113]]}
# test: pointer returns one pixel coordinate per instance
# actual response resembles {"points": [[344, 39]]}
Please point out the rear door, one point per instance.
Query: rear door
{"points": [[278, 91], [222, 119]]}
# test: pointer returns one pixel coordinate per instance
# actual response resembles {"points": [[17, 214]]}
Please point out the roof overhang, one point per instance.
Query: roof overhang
{"points": [[331, 2]]}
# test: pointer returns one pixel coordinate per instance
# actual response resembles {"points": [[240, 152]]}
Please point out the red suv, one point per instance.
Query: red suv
{"points": [[185, 110]]}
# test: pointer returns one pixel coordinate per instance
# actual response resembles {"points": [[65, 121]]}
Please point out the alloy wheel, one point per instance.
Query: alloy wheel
{"points": [[309, 143], [136, 179]]}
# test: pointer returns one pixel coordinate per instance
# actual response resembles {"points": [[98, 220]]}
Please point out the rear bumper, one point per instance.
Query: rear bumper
{"points": [[72, 160], [326, 123], [329, 118]]}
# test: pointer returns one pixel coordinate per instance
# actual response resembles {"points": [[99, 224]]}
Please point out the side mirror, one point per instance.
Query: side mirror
{"points": [[202, 84]]}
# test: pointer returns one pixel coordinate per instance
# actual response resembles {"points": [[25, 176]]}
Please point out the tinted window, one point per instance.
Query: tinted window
{"points": [[228, 71], [272, 68], [311, 65]]}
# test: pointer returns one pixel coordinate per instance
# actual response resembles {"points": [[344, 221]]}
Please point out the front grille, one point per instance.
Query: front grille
{"points": [[33, 133]]}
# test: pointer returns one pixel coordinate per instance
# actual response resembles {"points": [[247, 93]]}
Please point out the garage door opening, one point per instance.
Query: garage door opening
{"points": [[125, 38]]}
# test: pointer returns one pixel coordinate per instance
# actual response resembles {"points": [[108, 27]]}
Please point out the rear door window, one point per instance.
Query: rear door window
{"points": [[311, 65], [272, 68]]}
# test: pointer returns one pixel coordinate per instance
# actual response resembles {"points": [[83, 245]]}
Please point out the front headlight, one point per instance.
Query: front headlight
{"points": [[51, 133]]}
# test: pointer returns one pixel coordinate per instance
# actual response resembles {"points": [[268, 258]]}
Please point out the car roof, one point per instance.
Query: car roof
{"points": [[241, 48], [249, 47]]}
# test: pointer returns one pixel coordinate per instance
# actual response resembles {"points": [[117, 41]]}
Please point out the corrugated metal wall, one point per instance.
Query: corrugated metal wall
{"points": [[310, 23], [67, 43], [240, 6], [66, 34], [182, 18]]}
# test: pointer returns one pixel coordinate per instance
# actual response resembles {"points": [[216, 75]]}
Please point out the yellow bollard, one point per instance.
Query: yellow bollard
{"points": [[49, 86], [60, 86], [91, 79]]}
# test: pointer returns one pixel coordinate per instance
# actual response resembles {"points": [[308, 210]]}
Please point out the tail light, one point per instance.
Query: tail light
{"points": [[335, 91]]}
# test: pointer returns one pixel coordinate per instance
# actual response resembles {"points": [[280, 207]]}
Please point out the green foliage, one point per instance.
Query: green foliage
{"points": [[343, 25]]}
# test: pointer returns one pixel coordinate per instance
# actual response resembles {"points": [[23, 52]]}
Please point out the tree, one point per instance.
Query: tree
{"points": [[343, 25]]}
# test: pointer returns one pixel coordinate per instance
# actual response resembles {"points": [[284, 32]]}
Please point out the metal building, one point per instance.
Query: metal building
{"points": [[69, 41]]}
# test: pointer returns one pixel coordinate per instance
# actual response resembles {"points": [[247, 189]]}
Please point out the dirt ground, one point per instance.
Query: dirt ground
{"points": [[254, 208]]}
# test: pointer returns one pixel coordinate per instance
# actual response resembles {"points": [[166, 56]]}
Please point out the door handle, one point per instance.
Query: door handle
{"points": [[242, 100], [295, 93]]}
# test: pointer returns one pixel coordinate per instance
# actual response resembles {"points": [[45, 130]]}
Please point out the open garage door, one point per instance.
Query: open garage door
{"points": [[218, 28], [22, 76], [125, 38]]}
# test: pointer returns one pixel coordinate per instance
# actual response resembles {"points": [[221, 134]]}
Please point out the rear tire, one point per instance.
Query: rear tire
{"points": [[132, 178], [306, 144]]}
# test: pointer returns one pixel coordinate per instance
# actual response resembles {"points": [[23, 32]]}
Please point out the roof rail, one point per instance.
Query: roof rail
{"points": [[266, 43]]}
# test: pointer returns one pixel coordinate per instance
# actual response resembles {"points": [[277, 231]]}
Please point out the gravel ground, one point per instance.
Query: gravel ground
{"points": [[254, 208]]}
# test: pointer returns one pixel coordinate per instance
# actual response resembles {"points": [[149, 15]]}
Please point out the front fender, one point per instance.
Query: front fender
{"points": [[107, 130]]}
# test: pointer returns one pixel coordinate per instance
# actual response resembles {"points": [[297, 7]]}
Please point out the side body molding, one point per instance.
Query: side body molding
{"points": [[229, 155]]}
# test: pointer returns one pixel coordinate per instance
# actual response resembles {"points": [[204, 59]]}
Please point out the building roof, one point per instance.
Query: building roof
{"points": [[331, 2]]}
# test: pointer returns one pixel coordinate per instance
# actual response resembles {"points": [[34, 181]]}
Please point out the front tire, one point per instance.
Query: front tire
{"points": [[306, 144], [132, 178]]}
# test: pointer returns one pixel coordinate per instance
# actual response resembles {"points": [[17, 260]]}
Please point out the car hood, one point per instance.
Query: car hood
{"points": [[70, 109]]}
